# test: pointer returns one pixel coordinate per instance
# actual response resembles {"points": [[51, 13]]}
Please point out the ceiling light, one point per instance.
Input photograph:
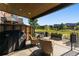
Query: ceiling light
{"points": [[20, 9], [29, 13]]}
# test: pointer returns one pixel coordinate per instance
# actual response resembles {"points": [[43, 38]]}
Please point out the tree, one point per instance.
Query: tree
{"points": [[51, 27], [77, 27], [65, 27], [61, 26], [40, 27], [34, 24], [77, 23]]}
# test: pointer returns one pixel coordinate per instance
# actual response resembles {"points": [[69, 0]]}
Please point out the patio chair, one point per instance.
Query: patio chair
{"points": [[46, 47], [34, 40]]}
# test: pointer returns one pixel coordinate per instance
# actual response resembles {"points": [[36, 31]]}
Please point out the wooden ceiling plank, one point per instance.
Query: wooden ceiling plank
{"points": [[30, 10]]}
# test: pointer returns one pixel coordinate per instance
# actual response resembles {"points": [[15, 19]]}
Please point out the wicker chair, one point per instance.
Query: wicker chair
{"points": [[46, 47], [34, 40]]}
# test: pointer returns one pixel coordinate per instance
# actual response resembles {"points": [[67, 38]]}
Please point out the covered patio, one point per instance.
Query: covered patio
{"points": [[33, 11]]}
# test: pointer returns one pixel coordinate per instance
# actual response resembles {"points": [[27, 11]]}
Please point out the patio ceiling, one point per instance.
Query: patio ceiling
{"points": [[31, 10]]}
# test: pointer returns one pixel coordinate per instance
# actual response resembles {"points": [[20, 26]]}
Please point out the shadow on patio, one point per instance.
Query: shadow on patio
{"points": [[70, 53]]}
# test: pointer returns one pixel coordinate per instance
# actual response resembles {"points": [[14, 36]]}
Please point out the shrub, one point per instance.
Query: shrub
{"points": [[56, 35]]}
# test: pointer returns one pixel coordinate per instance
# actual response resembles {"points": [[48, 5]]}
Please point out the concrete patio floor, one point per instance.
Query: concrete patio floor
{"points": [[60, 49]]}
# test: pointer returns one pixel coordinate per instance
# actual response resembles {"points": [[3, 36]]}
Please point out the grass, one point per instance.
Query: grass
{"points": [[67, 32], [55, 31]]}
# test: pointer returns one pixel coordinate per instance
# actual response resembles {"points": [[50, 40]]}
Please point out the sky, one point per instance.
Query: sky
{"points": [[67, 15]]}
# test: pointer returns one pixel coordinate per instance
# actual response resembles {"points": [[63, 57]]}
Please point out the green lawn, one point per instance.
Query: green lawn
{"points": [[67, 32], [55, 31]]}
